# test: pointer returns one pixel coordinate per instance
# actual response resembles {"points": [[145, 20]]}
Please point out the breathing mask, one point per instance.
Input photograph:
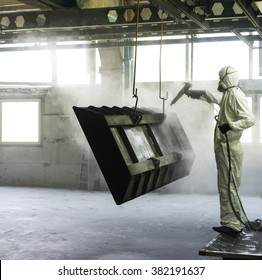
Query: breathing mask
{"points": [[222, 86]]}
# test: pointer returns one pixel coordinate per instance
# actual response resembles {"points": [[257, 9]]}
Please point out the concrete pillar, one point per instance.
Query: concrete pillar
{"points": [[91, 57], [260, 59], [111, 58], [112, 73]]}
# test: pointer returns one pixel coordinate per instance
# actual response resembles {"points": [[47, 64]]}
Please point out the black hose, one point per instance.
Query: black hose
{"points": [[252, 226]]}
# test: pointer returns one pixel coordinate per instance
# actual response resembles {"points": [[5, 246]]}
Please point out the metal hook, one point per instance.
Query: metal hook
{"points": [[135, 59], [164, 100], [136, 97], [136, 117], [160, 65]]}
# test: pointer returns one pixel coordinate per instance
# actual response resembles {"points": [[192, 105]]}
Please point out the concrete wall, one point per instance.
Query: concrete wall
{"points": [[57, 162]]}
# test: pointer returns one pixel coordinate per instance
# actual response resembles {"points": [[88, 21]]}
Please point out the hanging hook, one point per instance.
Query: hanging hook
{"points": [[164, 100], [136, 97], [136, 117], [135, 58], [160, 64]]}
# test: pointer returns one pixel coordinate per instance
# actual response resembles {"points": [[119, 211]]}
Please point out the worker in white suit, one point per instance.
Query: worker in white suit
{"points": [[234, 116]]}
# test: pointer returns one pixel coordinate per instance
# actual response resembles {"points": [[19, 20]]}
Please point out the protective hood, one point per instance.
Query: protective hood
{"points": [[228, 77]]}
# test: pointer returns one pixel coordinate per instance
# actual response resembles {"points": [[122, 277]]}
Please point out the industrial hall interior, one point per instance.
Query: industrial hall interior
{"points": [[130, 130]]}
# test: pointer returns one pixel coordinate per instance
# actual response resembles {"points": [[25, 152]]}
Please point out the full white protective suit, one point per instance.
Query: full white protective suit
{"points": [[234, 116]]}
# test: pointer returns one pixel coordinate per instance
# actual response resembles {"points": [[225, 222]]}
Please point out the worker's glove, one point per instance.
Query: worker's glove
{"points": [[195, 94], [224, 128]]}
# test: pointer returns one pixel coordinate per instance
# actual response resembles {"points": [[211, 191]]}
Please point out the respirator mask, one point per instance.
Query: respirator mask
{"points": [[222, 87]]}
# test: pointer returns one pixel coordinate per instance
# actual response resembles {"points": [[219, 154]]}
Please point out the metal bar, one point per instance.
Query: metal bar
{"points": [[51, 27], [250, 14], [82, 18], [177, 7], [51, 3], [115, 120], [58, 3], [94, 24], [243, 39], [149, 164], [169, 9], [126, 43]]}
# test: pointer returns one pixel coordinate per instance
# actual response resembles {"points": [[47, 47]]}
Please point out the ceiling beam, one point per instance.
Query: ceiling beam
{"points": [[33, 3], [243, 38], [50, 3], [176, 8], [127, 43], [23, 5], [250, 13], [59, 3], [95, 24]]}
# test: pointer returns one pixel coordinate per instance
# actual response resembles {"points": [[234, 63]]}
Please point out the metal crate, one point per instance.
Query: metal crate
{"points": [[138, 150]]}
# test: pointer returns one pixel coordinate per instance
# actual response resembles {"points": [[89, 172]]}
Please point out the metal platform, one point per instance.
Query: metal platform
{"points": [[247, 246], [138, 151]]}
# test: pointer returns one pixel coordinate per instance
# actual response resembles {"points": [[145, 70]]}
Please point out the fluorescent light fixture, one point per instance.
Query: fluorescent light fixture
{"points": [[259, 5]]}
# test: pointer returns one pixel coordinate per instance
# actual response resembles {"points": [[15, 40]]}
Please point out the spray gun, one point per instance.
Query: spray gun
{"points": [[194, 94], [182, 91]]}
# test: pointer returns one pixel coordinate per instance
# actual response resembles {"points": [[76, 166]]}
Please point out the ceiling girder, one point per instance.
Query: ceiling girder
{"points": [[51, 3], [250, 13], [59, 3], [22, 5], [176, 8], [126, 43], [96, 24], [243, 38]]}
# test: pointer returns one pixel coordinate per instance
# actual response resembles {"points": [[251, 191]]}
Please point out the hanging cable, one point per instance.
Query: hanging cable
{"points": [[160, 63], [253, 226], [135, 56]]}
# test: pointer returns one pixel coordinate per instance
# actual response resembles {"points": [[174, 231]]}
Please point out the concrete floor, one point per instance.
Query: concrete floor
{"points": [[39, 223]]}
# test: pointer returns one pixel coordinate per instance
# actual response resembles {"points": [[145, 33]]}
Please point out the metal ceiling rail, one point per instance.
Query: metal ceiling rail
{"points": [[118, 23], [176, 8], [252, 16], [74, 17], [248, 39]]}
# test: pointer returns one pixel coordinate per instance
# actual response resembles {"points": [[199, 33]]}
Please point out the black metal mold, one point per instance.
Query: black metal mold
{"points": [[136, 158]]}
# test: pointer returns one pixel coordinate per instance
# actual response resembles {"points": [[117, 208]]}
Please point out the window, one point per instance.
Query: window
{"points": [[25, 66], [72, 67], [209, 58], [247, 133], [20, 121], [257, 58], [173, 63], [260, 120]]}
